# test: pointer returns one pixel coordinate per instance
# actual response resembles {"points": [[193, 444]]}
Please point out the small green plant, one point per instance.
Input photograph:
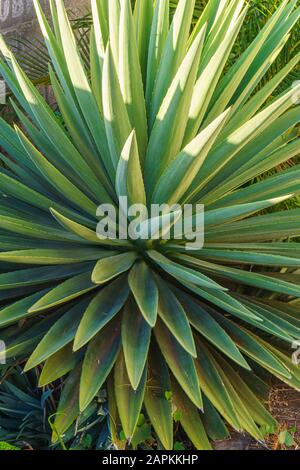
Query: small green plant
{"points": [[268, 430], [279, 437], [286, 437], [179, 446], [6, 446]]}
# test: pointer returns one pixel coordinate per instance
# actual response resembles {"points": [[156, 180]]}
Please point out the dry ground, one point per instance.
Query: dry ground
{"points": [[284, 404]]}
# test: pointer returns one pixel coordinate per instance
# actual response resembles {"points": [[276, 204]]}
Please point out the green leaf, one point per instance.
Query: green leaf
{"points": [[179, 446], [36, 276], [100, 20], [190, 419], [252, 157], [286, 438], [173, 315], [80, 230], [158, 407], [114, 11], [117, 122], [180, 363], [236, 212], [130, 76], [84, 232], [58, 256], [257, 410], [68, 290], [183, 273], [243, 412], [28, 337], [174, 50], [107, 269], [286, 182], [234, 143], [243, 113], [251, 345], [207, 79], [45, 118], [20, 309], [214, 388], [129, 401], [253, 279], [57, 179], [179, 175], [168, 130], [23, 193], [86, 100], [68, 407], [213, 423], [59, 364], [158, 227], [144, 289], [129, 178], [143, 15], [157, 40], [248, 278], [233, 79], [104, 306], [35, 230], [199, 317], [99, 359], [135, 342], [213, 10], [244, 257], [54, 341], [80, 134], [6, 446], [142, 434], [226, 302]]}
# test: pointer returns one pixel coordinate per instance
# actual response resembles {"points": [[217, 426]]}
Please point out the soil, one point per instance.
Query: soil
{"points": [[284, 404]]}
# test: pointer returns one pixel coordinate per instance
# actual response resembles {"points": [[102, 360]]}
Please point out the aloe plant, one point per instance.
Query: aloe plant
{"points": [[175, 333]]}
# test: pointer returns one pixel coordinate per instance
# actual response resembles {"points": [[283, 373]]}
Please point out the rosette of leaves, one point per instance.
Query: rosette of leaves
{"points": [[175, 333]]}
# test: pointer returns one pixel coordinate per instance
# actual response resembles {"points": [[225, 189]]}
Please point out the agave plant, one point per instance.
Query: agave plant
{"points": [[23, 410], [27, 413], [162, 329]]}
